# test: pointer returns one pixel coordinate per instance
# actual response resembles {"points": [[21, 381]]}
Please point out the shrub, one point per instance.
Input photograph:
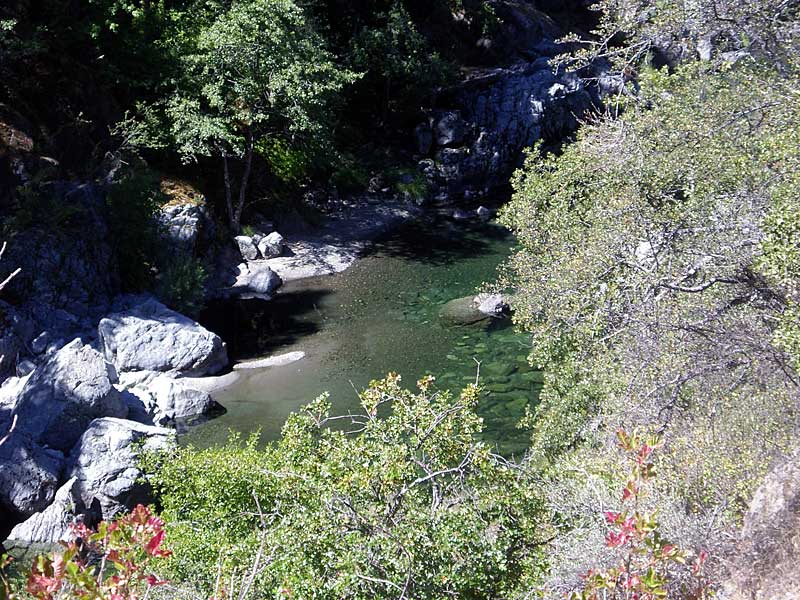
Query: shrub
{"points": [[181, 284], [133, 203], [113, 562], [399, 499]]}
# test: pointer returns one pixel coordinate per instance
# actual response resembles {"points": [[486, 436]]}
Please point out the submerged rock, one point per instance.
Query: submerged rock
{"points": [[461, 311], [151, 337]]}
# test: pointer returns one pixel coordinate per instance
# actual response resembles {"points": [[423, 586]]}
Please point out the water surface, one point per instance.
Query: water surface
{"points": [[381, 315]]}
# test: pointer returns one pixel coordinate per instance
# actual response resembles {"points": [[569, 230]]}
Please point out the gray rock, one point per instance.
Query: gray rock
{"points": [[25, 367], [182, 224], [461, 311], [271, 245], [29, 477], [461, 214], [483, 213], [493, 305], [151, 337], [105, 459], [246, 246], [765, 564], [63, 395], [51, 525], [255, 279], [161, 400], [449, 129]]}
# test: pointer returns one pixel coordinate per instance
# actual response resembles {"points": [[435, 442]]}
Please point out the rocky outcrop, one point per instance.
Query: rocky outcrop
{"points": [[185, 225], [52, 524], [68, 273], [767, 564], [147, 336], [63, 395], [104, 463], [497, 114]]}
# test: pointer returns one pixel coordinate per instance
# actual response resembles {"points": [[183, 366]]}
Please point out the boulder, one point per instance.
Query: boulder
{"points": [[104, 463], [51, 525], [158, 399], [151, 337], [483, 213], [175, 401], [449, 129], [247, 247], [493, 305], [29, 477], [271, 245], [63, 395], [461, 311], [255, 280]]}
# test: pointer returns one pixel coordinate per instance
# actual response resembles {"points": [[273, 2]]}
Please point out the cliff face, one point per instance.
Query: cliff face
{"points": [[476, 133], [767, 563]]}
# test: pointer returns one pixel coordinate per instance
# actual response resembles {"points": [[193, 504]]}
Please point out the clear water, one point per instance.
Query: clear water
{"points": [[381, 315]]}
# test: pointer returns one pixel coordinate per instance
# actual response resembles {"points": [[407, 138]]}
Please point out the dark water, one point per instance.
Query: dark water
{"points": [[381, 315]]}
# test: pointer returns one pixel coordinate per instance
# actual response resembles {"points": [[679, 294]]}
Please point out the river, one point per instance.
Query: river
{"points": [[380, 315]]}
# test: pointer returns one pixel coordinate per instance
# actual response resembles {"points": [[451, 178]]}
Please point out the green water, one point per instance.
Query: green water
{"points": [[381, 315]]}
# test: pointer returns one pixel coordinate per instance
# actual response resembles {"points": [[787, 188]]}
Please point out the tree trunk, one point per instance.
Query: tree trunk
{"points": [[248, 163], [228, 194]]}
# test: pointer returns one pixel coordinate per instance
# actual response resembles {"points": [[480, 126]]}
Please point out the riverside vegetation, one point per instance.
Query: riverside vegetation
{"points": [[658, 276]]}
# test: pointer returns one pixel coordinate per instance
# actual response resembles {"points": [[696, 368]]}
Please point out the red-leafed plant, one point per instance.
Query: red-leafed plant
{"points": [[649, 564], [113, 562]]}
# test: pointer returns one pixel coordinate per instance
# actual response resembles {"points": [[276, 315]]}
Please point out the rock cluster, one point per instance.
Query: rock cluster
{"points": [[81, 418], [476, 145]]}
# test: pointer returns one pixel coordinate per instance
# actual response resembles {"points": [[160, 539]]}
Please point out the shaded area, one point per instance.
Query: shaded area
{"points": [[252, 328]]}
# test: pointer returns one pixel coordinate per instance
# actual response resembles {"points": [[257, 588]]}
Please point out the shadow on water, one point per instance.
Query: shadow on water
{"points": [[254, 328], [439, 241]]}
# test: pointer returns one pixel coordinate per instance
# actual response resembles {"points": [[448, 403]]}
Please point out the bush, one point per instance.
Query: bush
{"points": [[656, 272], [133, 203], [181, 284], [397, 500]]}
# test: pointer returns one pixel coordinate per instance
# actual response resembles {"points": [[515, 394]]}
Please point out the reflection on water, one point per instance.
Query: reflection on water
{"points": [[379, 316]]}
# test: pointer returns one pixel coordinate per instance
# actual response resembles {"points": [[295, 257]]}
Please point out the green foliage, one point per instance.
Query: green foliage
{"points": [[657, 271], [407, 500], [133, 203], [181, 284], [417, 189], [398, 59]]}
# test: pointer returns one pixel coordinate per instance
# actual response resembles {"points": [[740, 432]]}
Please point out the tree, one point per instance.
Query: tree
{"points": [[257, 71]]}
